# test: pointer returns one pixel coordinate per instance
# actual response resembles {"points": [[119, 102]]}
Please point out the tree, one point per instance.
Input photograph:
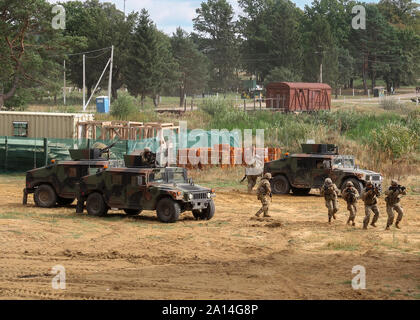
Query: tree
{"points": [[30, 48], [271, 36], [281, 74], [217, 31], [102, 25], [192, 64], [150, 65]]}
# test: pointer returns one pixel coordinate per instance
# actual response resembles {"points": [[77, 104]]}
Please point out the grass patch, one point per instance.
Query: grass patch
{"points": [[342, 246]]}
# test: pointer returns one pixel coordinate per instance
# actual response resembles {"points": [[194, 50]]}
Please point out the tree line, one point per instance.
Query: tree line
{"points": [[272, 40]]}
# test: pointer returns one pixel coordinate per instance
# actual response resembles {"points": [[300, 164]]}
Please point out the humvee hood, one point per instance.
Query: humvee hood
{"points": [[186, 187]]}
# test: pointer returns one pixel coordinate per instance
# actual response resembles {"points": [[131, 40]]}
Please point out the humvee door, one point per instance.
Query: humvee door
{"points": [[321, 171]]}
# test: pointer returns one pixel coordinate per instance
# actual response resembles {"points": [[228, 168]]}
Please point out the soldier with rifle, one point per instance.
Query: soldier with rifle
{"points": [[147, 157], [350, 195], [253, 172], [369, 197], [263, 194], [330, 193], [392, 199]]}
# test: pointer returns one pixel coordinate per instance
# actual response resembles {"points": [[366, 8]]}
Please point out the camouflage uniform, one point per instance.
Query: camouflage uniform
{"points": [[253, 171], [369, 197], [393, 195], [264, 194], [330, 193], [146, 157], [350, 195]]}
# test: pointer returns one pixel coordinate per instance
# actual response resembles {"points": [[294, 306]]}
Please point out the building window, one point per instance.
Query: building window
{"points": [[20, 128]]}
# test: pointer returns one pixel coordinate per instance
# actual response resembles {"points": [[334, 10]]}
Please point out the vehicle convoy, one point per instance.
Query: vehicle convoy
{"points": [[55, 184], [304, 171], [139, 187]]}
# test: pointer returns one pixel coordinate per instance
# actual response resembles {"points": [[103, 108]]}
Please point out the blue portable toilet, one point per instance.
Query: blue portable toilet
{"points": [[102, 104]]}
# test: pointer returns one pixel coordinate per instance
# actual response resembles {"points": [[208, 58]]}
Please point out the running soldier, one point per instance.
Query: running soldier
{"points": [[392, 199], [369, 197], [253, 172], [350, 195], [330, 193], [264, 195]]}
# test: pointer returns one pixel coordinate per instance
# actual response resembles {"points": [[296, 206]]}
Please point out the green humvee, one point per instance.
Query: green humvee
{"points": [[137, 187], [56, 183], [302, 172]]}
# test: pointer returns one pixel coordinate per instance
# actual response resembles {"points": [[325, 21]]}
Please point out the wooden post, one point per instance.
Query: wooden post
{"points": [[45, 151], [244, 104], [6, 149], [185, 104], [255, 103], [192, 103], [260, 104]]}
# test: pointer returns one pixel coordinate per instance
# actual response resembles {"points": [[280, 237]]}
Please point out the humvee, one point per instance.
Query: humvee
{"points": [[304, 171], [55, 184], [137, 187]]}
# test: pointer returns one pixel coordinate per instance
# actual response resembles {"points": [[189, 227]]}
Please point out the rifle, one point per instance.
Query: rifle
{"points": [[243, 179], [107, 148]]}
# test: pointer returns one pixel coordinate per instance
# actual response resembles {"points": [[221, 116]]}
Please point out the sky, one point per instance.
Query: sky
{"points": [[170, 14]]}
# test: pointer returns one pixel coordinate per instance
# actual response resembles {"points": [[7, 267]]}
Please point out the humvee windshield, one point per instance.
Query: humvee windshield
{"points": [[345, 162], [169, 176]]}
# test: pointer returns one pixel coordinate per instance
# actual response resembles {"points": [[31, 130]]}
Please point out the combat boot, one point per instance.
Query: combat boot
{"points": [[353, 224], [387, 227], [257, 214], [365, 226], [373, 225], [397, 225], [267, 215]]}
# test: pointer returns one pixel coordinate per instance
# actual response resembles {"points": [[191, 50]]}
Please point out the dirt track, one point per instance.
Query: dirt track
{"points": [[293, 255]]}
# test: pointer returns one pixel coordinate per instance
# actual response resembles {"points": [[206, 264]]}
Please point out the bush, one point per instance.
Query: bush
{"points": [[124, 106], [395, 139], [390, 104]]}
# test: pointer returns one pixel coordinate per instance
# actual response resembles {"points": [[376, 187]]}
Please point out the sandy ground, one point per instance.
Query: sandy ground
{"points": [[293, 255]]}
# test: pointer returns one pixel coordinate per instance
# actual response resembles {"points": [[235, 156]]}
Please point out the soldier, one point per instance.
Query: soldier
{"points": [[147, 157], [369, 197], [330, 193], [350, 195], [253, 171], [264, 192], [392, 199]]}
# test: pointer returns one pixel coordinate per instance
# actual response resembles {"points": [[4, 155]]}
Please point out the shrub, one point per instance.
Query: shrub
{"points": [[390, 104], [123, 106]]}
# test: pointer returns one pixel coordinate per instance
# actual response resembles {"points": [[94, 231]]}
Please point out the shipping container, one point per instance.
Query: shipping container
{"points": [[298, 96], [41, 124]]}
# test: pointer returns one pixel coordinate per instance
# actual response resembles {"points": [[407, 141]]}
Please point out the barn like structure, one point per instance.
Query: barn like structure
{"points": [[298, 96]]}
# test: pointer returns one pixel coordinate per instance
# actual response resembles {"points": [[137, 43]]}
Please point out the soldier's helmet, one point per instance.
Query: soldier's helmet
{"points": [[147, 149], [328, 181], [267, 176], [394, 183], [349, 184], [98, 145]]}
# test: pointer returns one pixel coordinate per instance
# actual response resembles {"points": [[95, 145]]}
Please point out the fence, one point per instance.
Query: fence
{"points": [[23, 154]]}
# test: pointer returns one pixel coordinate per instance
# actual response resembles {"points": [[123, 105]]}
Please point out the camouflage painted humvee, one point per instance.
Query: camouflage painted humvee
{"points": [[137, 187], [302, 172], [56, 183]]}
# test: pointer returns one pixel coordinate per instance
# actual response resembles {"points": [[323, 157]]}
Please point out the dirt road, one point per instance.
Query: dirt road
{"points": [[293, 255]]}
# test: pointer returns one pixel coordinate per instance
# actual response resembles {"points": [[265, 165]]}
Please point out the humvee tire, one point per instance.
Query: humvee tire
{"points": [[280, 185], [64, 201], [205, 214], [45, 196], [357, 184], [168, 210], [96, 205], [132, 212], [301, 191]]}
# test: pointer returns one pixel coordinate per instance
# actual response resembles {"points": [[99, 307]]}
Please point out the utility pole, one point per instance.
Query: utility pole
{"points": [[110, 76], [64, 87], [84, 81], [320, 73]]}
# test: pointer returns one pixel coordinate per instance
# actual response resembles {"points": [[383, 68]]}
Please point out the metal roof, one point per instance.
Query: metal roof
{"points": [[300, 85]]}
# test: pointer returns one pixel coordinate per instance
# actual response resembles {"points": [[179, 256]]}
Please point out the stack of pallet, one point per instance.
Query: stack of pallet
{"points": [[223, 154]]}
